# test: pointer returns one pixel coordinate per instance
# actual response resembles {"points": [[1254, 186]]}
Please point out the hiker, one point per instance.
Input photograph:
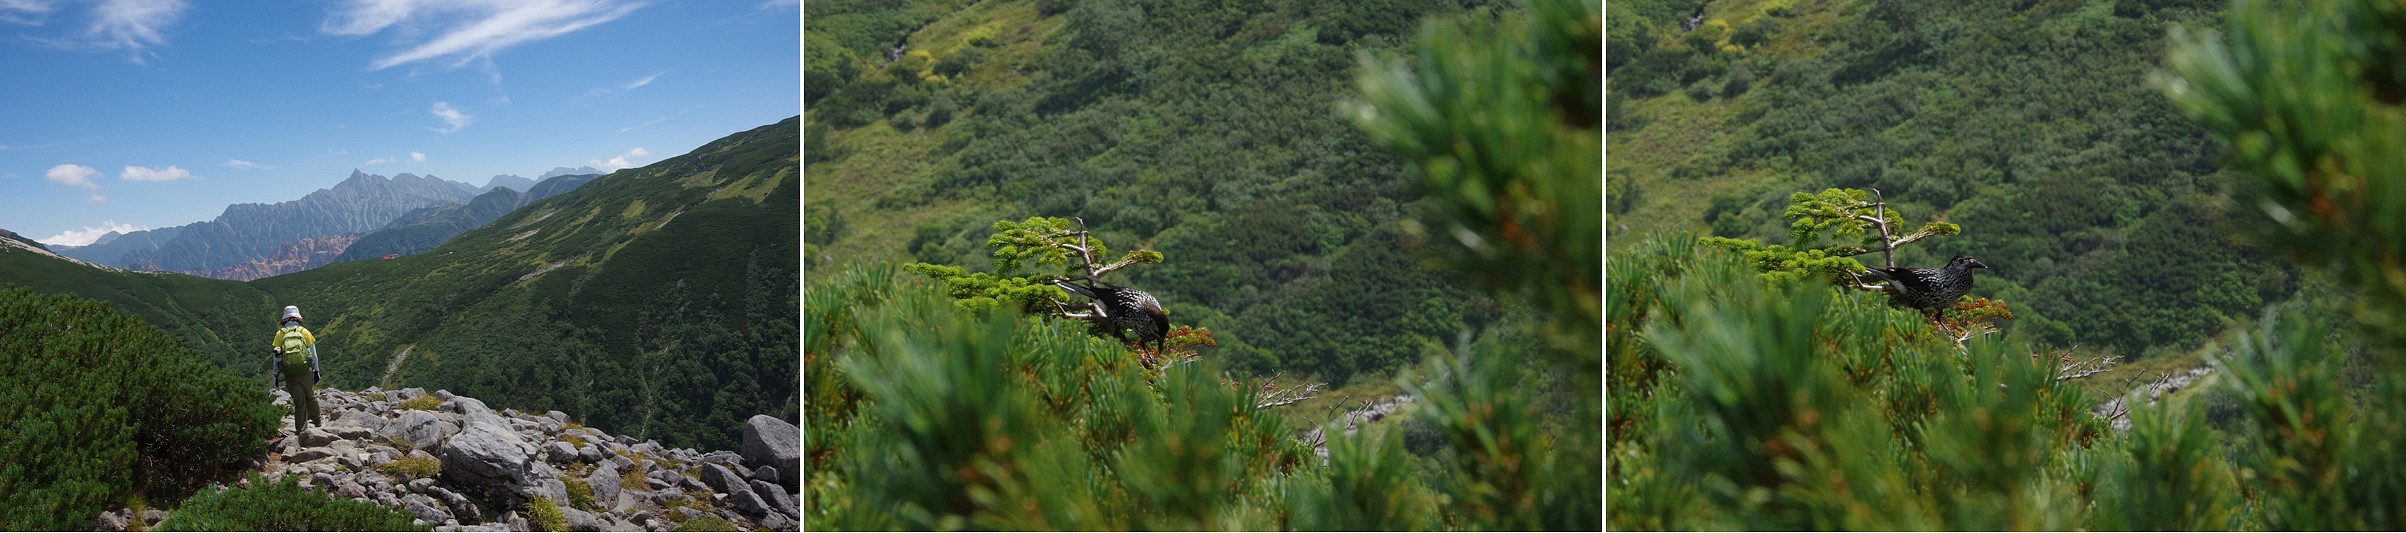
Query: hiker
{"points": [[293, 347]]}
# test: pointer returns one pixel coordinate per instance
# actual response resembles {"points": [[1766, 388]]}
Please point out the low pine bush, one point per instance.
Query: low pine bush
{"points": [[93, 400], [282, 505]]}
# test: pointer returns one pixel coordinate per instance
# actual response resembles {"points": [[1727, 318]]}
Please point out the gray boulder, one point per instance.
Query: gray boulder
{"points": [[604, 481], [777, 522], [591, 454], [109, 521], [721, 457], [467, 406], [316, 436], [579, 520], [747, 501], [426, 508], [154, 516], [719, 478], [771, 442], [488, 459], [420, 430], [357, 419], [560, 452], [308, 454], [776, 497], [765, 473]]}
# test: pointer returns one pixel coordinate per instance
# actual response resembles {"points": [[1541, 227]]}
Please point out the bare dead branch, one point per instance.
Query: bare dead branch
{"points": [[1272, 395], [1887, 253]]}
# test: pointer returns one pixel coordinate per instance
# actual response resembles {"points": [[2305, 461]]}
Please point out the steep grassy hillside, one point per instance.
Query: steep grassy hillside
{"points": [[1208, 132], [2031, 124]]}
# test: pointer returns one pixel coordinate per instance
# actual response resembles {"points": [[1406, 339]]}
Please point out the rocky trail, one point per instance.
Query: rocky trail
{"points": [[461, 466]]}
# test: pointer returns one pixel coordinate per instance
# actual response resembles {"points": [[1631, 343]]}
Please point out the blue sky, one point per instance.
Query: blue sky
{"points": [[139, 114]]}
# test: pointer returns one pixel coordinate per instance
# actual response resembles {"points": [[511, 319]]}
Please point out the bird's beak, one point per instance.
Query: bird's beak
{"points": [[1977, 264]]}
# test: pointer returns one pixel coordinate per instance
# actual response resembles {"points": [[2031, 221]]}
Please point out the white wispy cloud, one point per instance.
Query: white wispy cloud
{"points": [[241, 164], [88, 234], [417, 156], [647, 80], [97, 198], [171, 173], [466, 30], [644, 124], [628, 86], [26, 12], [132, 25], [451, 116], [625, 160], [73, 176], [379, 161]]}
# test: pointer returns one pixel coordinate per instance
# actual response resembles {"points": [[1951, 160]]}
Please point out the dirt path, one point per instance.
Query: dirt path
{"points": [[389, 368]]}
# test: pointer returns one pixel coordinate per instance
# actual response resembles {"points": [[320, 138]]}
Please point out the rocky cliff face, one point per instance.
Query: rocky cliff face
{"points": [[462, 466], [245, 232], [295, 256]]}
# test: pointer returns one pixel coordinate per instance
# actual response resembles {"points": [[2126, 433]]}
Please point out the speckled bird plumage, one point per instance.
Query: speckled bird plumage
{"points": [[1127, 310], [1932, 289]]}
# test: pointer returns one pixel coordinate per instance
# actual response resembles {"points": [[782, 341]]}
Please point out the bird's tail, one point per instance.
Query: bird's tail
{"points": [[1082, 291]]}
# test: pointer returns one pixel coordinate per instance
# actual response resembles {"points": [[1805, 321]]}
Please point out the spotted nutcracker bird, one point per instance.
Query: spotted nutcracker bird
{"points": [[1126, 309], [1935, 289]]}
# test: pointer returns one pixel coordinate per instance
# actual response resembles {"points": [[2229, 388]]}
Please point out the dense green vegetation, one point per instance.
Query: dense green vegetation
{"points": [[1211, 133], [2030, 120], [964, 407], [100, 408], [282, 505], [1740, 402]]}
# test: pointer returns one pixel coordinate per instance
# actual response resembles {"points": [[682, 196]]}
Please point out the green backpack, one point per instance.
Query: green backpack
{"points": [[296, 348]]}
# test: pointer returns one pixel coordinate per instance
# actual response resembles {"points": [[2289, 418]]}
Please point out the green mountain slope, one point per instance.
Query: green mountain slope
{"points": [[2031, 124], [660, 299], [427, 227], [1211, 133]]}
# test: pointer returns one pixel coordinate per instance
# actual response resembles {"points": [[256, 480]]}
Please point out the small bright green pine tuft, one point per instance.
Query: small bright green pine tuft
{"points": [[421, 403], [412, 467], [546, 514]]}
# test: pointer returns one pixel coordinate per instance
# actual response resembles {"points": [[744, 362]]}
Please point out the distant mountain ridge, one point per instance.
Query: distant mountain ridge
{"points": [[424, 228], [246, 233]]}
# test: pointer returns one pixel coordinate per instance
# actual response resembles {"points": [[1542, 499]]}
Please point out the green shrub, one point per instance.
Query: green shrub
{"points": [[546, 514], [421, 403], [706, 523], [411, 467], [955, 63], [93, 400], [632, 479], [282, 505]]}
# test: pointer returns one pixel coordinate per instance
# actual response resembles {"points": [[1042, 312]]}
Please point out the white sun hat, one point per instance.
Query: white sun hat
{"points": [[290, 312]]}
